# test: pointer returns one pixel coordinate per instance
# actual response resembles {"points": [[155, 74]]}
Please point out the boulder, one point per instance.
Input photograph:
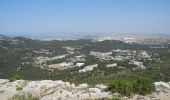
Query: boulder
{"points": [[166, 85], [101, 86]]}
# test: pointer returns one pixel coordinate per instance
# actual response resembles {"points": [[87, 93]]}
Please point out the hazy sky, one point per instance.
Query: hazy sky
{"points": [[114, 16]]}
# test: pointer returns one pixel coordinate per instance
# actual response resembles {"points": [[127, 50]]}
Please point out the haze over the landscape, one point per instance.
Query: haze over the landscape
{"points": [[33, 17], [84, 49]]}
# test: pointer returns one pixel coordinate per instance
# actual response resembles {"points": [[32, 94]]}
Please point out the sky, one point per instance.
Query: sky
{"points": [[86, 16]]}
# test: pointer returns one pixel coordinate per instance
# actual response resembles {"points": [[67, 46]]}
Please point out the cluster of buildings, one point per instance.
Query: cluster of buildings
{"points": [[121, 55], [100, 55], [158, 47], [79, 58], [138, 64], [16, 41], [43, 51], [42, 60], [134, 57], [61, 66], [144, 55], [118, 55], [70, 50]]}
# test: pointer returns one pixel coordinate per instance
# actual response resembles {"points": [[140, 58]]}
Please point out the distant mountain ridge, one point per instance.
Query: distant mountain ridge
{"points": [[146, 39], [53, 36], [4, 37]]}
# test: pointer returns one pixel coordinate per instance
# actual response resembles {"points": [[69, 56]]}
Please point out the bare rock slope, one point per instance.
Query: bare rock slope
{"points": [[51, 90], [59, 90]]}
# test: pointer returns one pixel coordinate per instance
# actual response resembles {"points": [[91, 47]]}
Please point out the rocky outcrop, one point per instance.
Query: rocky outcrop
{"points": [[59, 90], [51, 90]]}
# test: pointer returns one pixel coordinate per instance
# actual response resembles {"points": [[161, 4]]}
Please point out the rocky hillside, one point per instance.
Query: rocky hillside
{"points": [[51, 90], [59, 90]]}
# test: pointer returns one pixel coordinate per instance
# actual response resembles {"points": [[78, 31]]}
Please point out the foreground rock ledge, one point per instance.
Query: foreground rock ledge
{"points": [[51, 90], [54, 90]]}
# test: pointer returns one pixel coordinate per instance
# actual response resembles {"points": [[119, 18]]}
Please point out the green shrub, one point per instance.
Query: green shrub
{"points": [[18, 88], [24, 97], [15, 77], [122, 86], [143, 86]]}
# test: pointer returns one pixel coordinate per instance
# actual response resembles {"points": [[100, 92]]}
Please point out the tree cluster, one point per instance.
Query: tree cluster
{"points": [[142, 86]]}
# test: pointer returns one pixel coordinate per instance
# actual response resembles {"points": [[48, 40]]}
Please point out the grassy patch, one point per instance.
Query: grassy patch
{"points": [[24, 97], [18, 88], [15, 77]]}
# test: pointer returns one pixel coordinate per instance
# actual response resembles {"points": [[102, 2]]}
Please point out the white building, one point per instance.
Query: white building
{"points": [[61, 66], [79, 64], [88, 68], [100, 55], [138, 64], [129, 40], [111, 65], [144, 54]]}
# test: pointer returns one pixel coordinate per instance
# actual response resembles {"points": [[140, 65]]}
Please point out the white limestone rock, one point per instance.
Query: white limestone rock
{"points": [[95, 90], [162, 84], [84, 85], [101, 86], [54, 90], [50, 90]]}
